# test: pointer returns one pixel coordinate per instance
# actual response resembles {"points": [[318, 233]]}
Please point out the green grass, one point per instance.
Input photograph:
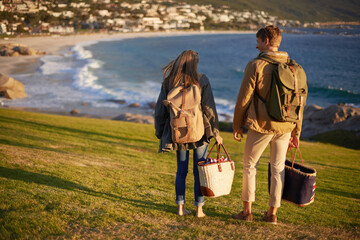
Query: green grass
{"points": [[69, 178]]}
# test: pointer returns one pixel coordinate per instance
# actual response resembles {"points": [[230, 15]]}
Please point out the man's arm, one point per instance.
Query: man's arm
{"points": [[245, 96]]}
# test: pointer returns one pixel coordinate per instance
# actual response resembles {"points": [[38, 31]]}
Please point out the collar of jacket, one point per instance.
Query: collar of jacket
{"points": [[282, 57]]}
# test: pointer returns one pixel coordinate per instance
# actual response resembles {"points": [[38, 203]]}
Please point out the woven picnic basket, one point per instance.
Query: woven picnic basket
{"points": [[216, 178]]}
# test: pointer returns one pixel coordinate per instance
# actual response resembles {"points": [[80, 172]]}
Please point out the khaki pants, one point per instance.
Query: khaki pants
{"points": [[255, 145]]}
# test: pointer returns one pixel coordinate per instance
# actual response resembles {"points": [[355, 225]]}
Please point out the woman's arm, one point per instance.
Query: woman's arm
{"points": [[209, 107], [161, 113]]}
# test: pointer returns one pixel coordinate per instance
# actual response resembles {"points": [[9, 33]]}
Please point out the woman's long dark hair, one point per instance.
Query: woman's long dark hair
{"points": [[182, 70]]}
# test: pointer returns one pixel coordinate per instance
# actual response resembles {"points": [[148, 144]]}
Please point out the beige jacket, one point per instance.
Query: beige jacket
{"points": [[251, 111]]}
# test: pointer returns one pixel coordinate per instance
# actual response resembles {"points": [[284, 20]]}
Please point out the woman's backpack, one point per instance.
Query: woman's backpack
{"points": [[288, 91], [186, 118]]}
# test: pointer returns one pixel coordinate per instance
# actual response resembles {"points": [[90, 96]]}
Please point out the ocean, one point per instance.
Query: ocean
{"points": [[96, 73]]}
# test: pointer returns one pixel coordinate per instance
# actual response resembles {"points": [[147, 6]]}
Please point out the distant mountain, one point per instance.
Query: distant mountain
{"points": [[303, 10]]}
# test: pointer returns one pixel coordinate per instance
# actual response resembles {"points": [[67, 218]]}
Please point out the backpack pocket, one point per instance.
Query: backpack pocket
{"points": [[186, 128], [291, 107]]}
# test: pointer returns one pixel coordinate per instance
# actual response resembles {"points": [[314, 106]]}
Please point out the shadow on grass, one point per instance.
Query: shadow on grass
{"points": [[348, 139], [51, 181], [24, 145], [339, 193], [74, 132]]}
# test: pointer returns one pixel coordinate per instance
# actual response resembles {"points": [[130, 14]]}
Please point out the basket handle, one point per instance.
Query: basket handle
{"points": [[218, 150], [293, 156], [218, 154]]}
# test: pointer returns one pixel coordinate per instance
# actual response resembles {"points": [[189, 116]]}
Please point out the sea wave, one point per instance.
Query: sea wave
{"points": [[84, 79], [53, 64], [81, 52], [333, 91]]}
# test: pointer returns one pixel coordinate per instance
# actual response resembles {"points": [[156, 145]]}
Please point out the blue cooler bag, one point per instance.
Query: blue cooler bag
{"points": [[300, 182]]}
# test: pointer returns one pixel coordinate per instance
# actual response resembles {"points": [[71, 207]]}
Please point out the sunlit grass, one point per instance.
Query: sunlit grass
{"points": [[68, 177]]}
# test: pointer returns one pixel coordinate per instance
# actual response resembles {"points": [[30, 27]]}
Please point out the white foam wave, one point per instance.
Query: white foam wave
{"points": [[225, 109], [95, 64], [53, 64], [239, 70], [141, 93], [341, 89], [85, 80], [81, 52]]}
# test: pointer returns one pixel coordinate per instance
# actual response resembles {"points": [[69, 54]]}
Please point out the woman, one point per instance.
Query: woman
{"points": [[183, 71]]}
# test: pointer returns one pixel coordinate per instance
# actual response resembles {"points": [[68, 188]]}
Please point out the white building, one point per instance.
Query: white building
{"points": [[104, 13], [21, 8], [55, 14], [153, 22], [119, 21], [68, 14], [2, 28], [61, 29]]}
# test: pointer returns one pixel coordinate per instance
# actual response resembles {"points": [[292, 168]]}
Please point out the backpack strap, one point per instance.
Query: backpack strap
{"points": [[183, 92], [260, 97], [182, 112]]}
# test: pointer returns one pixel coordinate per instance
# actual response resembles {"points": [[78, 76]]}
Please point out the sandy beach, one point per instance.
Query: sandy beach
{"points": [[57, 45]]}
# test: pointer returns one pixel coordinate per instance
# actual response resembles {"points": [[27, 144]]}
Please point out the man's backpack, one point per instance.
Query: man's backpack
{"points": [[186, 118], [288, 91]]}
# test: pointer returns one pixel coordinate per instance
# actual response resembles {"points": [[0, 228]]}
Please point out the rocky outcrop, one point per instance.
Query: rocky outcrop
{"points": [[11, 88], [138, 118], [334, 117], [74, 112], [134, 105], [12, 50], [117, 101]]}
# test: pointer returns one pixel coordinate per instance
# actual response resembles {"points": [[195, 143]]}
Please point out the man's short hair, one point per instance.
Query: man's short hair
{"points": [[272, 33]]}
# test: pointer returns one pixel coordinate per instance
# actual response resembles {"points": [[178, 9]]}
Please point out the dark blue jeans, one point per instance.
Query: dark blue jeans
{"points": [[182, 170]]}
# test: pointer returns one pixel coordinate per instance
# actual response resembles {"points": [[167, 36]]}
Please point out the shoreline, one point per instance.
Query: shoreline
{"points": [[57, 45]]}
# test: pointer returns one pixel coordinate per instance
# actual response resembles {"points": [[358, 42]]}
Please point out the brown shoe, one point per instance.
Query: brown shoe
{"points": [[272, 219], [241, 216]]}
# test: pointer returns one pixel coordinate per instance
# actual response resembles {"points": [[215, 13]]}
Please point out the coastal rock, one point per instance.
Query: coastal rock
{"points": [[226, 117], [152, 105], [119, 101], [134, 105], [74, 112], [138, 118], [13, 50], [11, 88], [334, 117]]}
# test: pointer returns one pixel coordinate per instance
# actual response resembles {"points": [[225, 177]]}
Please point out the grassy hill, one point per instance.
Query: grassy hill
{"points": [[69, 178], [303, 10]]}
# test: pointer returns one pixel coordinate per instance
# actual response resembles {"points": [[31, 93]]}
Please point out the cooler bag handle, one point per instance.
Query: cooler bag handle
{"points": [[293, 156]]}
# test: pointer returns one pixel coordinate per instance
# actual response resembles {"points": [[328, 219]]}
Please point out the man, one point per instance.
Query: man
{"points": [[251, 112]]}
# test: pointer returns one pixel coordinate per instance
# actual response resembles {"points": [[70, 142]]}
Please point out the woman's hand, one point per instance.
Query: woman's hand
{"points": [[219, 140], [236, 135], [294, 142]]}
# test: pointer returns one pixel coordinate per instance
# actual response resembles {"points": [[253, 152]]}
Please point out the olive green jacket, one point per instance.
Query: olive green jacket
{"points": [[250, 111], [162, 119]]}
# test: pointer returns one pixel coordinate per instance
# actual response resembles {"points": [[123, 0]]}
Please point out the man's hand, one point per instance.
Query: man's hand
{"points": [[236, 135], [219, 140], [294, 142]]}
